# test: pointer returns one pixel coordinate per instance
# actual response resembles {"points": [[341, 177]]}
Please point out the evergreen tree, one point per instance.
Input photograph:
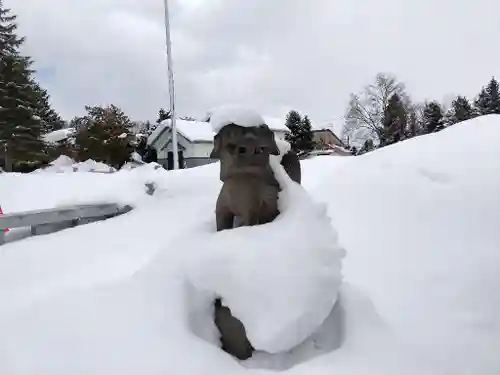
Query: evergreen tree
{"points": [[147, 152], [488, 100], [9, 41], [293, 123], [433, 118], [20, 128], [76, 123], [50, 119], [394, 121], [414, 125], [367, 147], [22, 109], [461, 110], [147, 127], [104, 134], [163, 115], [151, 129], [305, 140], [142, 127]]}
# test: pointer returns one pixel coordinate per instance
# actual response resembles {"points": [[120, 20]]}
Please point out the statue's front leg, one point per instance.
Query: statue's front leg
{"points": [[250, 218], [224, 219]]}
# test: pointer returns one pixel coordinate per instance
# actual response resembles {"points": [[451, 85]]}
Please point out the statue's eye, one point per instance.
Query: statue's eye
{"points": [[231, 147]]}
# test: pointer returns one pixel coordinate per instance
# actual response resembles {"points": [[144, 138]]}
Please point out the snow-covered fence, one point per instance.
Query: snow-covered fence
{"points": [[55, 219]]}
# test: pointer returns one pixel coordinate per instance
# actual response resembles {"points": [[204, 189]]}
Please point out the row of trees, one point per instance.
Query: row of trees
{"points": [[25, 111], [383, 113]]}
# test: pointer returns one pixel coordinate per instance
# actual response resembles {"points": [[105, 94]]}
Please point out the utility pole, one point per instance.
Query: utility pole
{"points": [[173, 126]]}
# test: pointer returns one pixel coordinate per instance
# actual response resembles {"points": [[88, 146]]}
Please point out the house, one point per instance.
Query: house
{"points": [[194, 141], [327, 143]]}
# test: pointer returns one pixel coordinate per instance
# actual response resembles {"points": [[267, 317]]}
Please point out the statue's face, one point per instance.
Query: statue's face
{"points": [[244, 150]]}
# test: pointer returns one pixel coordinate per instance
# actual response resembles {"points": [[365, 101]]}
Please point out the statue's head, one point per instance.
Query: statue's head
{"points": [[244, 150]]}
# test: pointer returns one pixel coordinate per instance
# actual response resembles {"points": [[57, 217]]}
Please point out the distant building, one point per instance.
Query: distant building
{"points": [[327, 143]]}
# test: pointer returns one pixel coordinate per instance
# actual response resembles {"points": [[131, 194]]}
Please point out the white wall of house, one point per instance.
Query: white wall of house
{"points": [[279, 134], [163, 152], [200, 150], [191, 150]]}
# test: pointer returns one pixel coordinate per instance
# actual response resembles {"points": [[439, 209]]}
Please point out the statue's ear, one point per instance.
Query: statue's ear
{"points": [[271, 142], [274, 148], [215, 154]]}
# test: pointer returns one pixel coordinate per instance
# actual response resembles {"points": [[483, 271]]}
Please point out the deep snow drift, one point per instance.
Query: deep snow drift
{"points": [[419, 221], [282, 279]]}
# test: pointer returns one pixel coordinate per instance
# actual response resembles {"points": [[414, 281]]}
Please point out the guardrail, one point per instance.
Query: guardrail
{"points": [[56, 219]]}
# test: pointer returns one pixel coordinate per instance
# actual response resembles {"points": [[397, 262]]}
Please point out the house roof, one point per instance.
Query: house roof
{"points": [[193, 131], [317, 130], [200, 131]]}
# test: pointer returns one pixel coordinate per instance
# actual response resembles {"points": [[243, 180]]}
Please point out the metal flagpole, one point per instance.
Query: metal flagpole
{"points": [[171, 87]]}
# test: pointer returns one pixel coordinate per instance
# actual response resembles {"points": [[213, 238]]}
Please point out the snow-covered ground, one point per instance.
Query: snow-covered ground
{"points": [[419, 222]]}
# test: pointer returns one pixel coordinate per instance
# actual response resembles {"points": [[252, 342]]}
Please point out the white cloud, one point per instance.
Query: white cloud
{"points": [[273, 55]]}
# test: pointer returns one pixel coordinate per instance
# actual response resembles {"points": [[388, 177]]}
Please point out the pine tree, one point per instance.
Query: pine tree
{"points": [[305, 140], [163, 115], [461, 110], [22, 101], [433, 118], [394, 121], [104, 134], [414, 125], [20, 129], [367, 147], [50, 119], [293, 123], [9, 41], [488, 100]]}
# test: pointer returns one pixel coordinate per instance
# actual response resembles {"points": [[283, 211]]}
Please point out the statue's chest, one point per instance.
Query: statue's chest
{"points": [[247, 195]]}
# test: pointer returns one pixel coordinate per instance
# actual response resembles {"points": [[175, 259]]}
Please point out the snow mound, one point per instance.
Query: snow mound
{"points": [[62, 161], [231, 114], [64, 164], [280, 279]]}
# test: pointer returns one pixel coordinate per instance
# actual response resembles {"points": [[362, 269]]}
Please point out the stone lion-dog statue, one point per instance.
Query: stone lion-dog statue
{"points": [[250, 194]]}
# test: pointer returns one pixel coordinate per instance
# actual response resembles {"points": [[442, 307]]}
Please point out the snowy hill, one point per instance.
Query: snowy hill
{"points": [[419, 222]]}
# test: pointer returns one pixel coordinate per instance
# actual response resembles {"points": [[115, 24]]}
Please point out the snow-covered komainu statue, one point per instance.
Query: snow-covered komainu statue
{"points": [[249, 193], [250, 190]]}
